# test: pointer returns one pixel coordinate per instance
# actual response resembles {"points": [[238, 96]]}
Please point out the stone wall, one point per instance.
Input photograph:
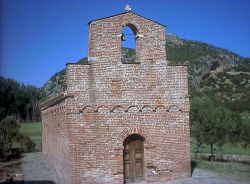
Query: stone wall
{"points": [[103, 115], [83, 133], [105, 39], [55, 138]]}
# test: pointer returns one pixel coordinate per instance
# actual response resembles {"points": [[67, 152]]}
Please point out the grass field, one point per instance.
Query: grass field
{"points": [[34, 131], [227, 149], [231, 170]]}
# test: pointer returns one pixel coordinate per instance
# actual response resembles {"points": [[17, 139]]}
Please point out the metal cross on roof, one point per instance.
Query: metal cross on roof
{"points": [[127, 8]]}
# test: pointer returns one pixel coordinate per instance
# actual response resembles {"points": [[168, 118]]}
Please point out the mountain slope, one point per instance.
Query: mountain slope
{"points": [[216, 71]]}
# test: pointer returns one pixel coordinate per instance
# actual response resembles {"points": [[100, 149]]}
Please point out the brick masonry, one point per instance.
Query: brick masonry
{"points": [[107, 100]]}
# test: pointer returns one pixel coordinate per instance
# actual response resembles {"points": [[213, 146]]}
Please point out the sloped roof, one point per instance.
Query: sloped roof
{"points": [[125, 13]]}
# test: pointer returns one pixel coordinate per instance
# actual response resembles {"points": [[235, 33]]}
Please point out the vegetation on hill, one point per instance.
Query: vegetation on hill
{"points": [[216, 72], [219, 85], [19, 100]]}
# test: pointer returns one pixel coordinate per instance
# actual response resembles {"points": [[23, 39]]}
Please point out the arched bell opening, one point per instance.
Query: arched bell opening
{"points": [[128, 43], [133, 158]]}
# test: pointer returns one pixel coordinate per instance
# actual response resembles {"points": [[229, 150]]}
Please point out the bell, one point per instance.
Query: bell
{"points": [[123, 38]]}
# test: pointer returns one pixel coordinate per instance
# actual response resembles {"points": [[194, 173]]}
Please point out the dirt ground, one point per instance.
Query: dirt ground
{"points": [[33, 168], [11, 168], [37, 170]]}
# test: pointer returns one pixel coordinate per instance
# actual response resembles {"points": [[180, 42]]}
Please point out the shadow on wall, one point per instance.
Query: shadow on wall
{"points": [[29, 182], [39, 182], [193, 166]]}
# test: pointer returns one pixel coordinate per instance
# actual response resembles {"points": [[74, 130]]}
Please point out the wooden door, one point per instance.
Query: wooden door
{"points": [[133, 161]]}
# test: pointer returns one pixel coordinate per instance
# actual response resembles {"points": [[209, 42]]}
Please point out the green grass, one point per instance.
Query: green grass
{"points": [[34, 131], [231, 170], [227, 149]]}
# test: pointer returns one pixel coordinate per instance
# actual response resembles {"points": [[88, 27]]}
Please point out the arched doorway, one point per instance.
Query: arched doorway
{"points": [[133, 157]]}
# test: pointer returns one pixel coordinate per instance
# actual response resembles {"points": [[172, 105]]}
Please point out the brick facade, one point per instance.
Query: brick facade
{"points": [[106, 101]]}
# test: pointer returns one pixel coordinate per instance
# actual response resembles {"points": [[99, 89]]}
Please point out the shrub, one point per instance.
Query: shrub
{"points": [[27, 145]]}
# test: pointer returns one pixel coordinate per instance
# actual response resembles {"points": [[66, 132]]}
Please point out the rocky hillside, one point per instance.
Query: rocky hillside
{"points": [[57, 83], [217, 72]]}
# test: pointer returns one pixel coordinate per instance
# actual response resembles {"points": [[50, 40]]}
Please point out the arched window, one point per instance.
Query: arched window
{"points": [[128, 43]]}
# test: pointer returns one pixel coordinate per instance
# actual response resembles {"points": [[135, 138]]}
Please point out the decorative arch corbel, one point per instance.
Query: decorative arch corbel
{"points": [[102, 107], [158, 107], [133, 108], [147, 108], [173, 108], [118, 107], [87, 108]]}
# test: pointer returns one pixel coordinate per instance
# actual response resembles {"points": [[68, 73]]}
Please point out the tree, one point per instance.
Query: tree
{"points": [[245, 134], [9, 131], [19, 100], [212, 124], [10, 134], [202, 118], [227, 127]]}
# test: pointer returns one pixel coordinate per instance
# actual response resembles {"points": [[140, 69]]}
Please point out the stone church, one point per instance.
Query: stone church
{"points": [[120, 121]]}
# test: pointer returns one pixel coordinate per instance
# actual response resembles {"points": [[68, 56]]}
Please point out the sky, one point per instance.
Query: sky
{"points": [[38, 37]]}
